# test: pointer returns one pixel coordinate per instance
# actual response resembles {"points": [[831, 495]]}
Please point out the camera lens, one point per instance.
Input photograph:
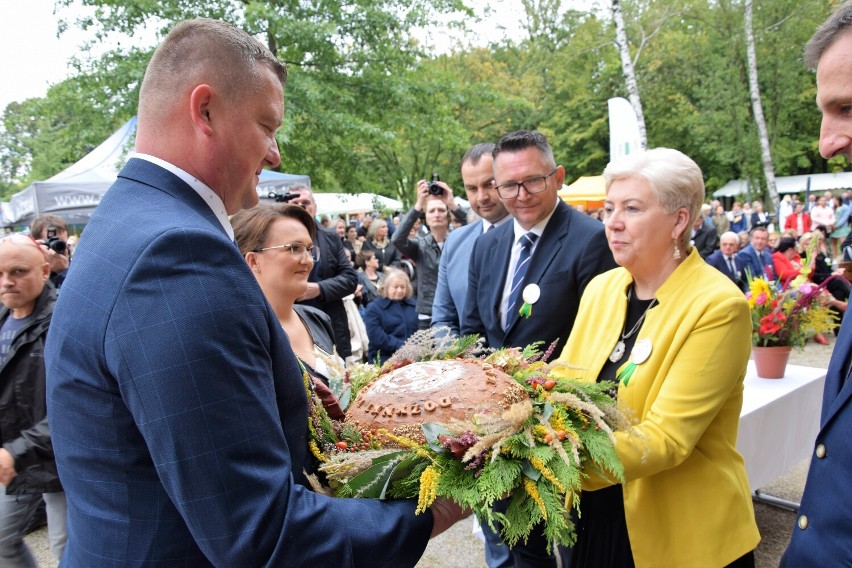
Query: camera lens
{"points": [[435, 189], [57, 245]]}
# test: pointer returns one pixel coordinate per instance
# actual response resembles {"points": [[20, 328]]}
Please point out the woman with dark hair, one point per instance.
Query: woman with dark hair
{"points": [[822, 269], [277, 242], [351, 242], [369, 276], [786, 259]]}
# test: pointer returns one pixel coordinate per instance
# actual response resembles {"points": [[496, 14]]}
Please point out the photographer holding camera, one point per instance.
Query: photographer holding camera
{"points": [[52, 233], [435, 199]]}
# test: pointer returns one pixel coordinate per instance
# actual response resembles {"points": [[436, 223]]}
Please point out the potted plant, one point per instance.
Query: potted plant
{"points": [[783, 316]]}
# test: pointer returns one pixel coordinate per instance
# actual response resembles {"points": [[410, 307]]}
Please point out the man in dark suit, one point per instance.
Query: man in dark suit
{"points": [[725, 260], [332, 277], [570, 251], [704, 238], [821, 535], [177, 408], [542, 276], [756, 258]]}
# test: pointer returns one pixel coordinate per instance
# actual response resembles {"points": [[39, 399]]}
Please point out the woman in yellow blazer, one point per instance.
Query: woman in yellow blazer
{"points": [[675, 333]]}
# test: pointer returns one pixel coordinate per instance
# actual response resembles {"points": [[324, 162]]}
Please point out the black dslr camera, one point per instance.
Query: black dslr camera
{"points": [[434, 188], [286, 197], [53, 242]]}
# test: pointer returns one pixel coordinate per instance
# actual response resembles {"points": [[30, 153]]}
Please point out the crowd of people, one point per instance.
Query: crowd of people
{"points": [[178, 368]]}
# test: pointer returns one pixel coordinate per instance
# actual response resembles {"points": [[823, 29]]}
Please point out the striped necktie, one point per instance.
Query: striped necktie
{"points": [[527, 241]]}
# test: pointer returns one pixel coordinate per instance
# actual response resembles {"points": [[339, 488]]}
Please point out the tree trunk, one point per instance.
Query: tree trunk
{"points": [[627, 69], [757, 108]]}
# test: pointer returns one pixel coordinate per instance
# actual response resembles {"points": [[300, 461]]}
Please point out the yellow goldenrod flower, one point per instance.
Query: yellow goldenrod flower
{"points": [[316, 451], [532, 490], [428, 487], [547, 474]]}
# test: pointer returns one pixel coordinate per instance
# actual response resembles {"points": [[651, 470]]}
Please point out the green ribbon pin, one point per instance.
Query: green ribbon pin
{"points": [[638, 355], [531, 294]]}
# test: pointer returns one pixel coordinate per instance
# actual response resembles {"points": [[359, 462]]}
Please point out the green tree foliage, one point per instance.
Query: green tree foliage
{"points": [[369, 108]]}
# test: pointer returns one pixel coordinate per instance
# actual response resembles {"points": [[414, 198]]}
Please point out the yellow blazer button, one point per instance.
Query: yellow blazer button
{"points": [[803, 522], [820, 451]]}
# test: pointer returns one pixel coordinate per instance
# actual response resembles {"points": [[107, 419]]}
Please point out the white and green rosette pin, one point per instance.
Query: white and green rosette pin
{"points": [[530, 295], [638, 355]]}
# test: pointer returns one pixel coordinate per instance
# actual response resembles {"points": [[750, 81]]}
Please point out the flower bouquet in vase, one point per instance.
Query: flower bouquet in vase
{"points": [[446, 418], [783, 316]]}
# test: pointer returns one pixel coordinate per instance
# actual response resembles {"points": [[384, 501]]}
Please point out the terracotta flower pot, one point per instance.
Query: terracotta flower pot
{"points": [[770, 362]]}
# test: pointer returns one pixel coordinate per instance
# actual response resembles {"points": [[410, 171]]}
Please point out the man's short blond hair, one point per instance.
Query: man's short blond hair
{"points": [[205, 50]]}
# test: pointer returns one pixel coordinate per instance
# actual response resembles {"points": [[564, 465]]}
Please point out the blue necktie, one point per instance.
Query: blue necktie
{"points": [[527, 241]]}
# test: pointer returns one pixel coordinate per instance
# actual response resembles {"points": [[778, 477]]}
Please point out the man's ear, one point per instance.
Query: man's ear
{"points": [[199, 108]]}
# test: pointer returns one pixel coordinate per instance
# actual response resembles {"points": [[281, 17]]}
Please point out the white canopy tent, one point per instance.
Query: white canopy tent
{"points": [[75, 192]]}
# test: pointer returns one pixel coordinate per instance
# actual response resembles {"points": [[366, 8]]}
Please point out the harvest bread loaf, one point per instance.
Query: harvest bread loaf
{"points": [[433, 391]]}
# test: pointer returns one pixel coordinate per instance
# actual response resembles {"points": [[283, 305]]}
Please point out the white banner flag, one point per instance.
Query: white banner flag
{"points": [[623, 129]]}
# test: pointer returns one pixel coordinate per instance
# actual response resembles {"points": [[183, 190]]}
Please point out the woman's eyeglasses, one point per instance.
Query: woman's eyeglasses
{"points": [[297, 250]]}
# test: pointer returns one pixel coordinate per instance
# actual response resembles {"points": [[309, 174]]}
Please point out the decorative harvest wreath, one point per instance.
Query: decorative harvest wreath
{"points": [[535, 452]]}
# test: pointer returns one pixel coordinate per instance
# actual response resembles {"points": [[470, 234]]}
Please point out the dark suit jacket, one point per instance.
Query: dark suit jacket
{"points": [[571, 251], [826, 502], [759, 264], [337, 279], [177, 408], [717, 261], [706, 240]]}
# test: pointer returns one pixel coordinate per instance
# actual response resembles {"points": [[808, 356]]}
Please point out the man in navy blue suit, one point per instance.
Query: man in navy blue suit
{"points": [[478, 178], [177, 408], [569, 250], [821, 536], [755, 257], [725, 259], [525, 288]]}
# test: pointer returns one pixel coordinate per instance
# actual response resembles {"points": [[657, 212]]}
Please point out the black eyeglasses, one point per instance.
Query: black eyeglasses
{"points": [[532, 185], [297, 250]]}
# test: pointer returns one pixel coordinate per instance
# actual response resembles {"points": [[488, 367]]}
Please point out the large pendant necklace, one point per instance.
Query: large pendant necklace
{"points": [[620, 348]]}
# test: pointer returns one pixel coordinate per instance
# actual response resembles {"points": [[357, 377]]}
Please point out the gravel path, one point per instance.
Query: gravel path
{"points": [[458, 548]]}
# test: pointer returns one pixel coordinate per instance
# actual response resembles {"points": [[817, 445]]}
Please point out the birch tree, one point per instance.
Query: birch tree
{"points": [[757, 108], [628, 70]]}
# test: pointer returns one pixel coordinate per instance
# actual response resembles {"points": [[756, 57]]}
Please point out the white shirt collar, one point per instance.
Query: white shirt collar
{"points": [[486, 225], [538, 228], [208, 195]]}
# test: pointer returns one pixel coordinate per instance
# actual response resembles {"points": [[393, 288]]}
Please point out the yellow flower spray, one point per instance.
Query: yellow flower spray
{"points": [[428, 488], [532, 490], [547, 474]]}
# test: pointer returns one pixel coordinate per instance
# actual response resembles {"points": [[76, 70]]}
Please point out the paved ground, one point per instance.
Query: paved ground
{"points": [[458, 548]]}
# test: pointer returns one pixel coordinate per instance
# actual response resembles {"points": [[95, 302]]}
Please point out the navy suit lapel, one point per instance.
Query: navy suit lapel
{"points": [[550, 244], [548, 248], [148, 173], [838, 389], [500, 257]]}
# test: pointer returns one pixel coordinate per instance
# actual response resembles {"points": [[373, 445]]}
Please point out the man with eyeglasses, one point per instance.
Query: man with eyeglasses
{"points": [[332, 278], [526, 277]]}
